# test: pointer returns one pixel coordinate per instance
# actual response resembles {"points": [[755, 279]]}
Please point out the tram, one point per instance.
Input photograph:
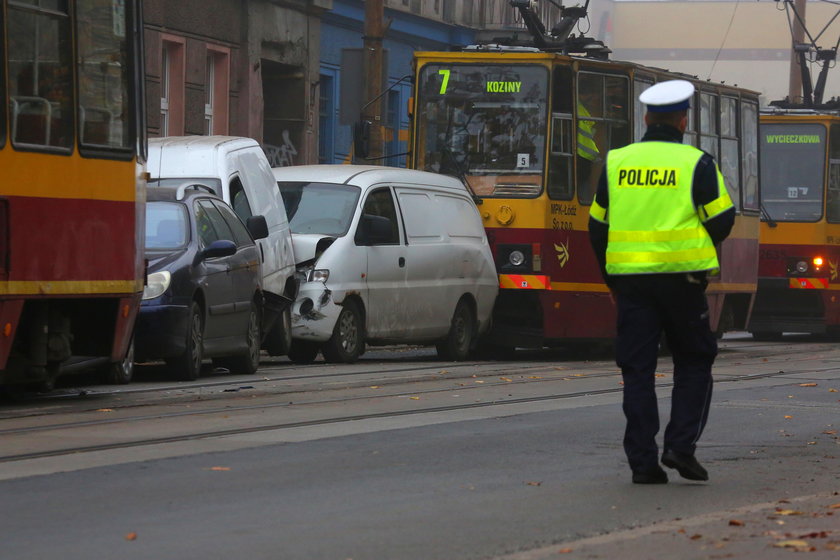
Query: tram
{"points": [[72, 137], [799, 254], [527, 128]]}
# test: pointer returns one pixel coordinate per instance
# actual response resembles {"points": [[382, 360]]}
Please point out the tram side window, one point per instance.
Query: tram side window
{"points": [[639, 126], [833, 200], [40, 74], [104, 69], [2, 87], [749, 154], [708, 124], [560, 161], [603, 124], [729, 148]]}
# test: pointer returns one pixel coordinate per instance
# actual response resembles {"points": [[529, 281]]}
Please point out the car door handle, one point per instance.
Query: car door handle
{"points": [[402, 262]]}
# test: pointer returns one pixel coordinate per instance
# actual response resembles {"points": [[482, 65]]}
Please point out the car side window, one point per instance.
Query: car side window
{"points": [[209, 219], [381, 203], [240, 232], [239, 200]]}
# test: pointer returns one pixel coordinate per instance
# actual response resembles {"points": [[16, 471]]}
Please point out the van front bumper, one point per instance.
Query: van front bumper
{"points": [[314, 313]]}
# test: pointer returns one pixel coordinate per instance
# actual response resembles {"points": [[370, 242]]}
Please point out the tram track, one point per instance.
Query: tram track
{"points": [[217, 433]]}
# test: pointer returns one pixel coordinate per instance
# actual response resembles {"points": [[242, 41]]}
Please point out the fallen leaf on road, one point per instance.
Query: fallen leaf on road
{"points": [[834, 506], [219, 468], [534, 377], [104, 410], [812, 443], [443, 371], [479, 381], [794, 543], [830, 432], [131, 537], [506, 379], [787, 512], [414, 398], [565, 550], [807, 384], [736, 523], [533, 483], [374, 386], [788, 416], [695, 537], [832, 390], [660, 375]]}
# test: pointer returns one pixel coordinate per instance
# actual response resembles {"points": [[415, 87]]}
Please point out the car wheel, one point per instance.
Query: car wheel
{"points": [[121, 373], [457, 344], [345, 344], [279, 338], [303, 351], [187, 366], [248, 362]]}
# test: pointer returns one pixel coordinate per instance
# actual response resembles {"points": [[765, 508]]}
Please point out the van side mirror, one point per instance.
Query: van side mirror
{"points": [[361, 139], [374, 230], [257, 227]]}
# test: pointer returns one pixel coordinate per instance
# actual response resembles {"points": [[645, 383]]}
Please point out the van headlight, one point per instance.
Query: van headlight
{"points": [[318, 275], [156, 284]]}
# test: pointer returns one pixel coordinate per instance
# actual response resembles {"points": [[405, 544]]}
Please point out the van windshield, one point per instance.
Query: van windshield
{"points": [[322, 208]]}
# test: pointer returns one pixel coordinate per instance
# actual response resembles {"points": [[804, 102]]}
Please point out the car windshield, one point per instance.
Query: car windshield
{"points": [[792, 169], [213, 182], [167, 226], [322, 208]]}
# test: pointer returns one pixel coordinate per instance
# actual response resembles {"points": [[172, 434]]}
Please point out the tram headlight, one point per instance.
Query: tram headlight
{"points": [[156, 284], [516, 258], [801, 267]]}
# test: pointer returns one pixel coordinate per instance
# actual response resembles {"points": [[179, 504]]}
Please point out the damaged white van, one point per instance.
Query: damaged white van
{"points": [[385, 256], [237, 170]]}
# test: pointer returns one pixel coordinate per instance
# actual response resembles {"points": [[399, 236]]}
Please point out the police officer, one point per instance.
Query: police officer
{"points": [[660, 209]]}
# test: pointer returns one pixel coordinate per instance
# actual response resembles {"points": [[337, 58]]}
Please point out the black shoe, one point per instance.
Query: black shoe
{"points": [[651, 476], [686, 465]]}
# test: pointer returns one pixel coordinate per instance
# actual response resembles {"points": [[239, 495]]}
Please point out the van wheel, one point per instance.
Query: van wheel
{"points": [[279, 338], [457, 344], [249, 361], [345, 344], [303, 351], [187, 366]]}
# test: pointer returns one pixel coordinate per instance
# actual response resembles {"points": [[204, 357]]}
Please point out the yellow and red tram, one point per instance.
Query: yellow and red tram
{"points": [[528, 130], [71, 186], [799, 257]]}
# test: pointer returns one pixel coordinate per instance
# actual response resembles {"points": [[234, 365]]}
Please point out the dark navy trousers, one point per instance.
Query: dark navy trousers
{"points": [[649, 305]]}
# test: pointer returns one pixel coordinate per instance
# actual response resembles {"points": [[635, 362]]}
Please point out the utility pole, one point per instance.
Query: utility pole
{"points": [[373, 56], [795, 88]]}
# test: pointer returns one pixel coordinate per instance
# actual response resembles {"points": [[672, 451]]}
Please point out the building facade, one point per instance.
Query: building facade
{"points": [[288, 72]]}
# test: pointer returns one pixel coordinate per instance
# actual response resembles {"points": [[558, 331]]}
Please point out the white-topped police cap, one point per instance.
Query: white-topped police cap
{"points": [[664, 97]]}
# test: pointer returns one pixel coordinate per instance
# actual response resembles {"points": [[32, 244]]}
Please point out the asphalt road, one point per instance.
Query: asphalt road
{"points": [[404, 457]]}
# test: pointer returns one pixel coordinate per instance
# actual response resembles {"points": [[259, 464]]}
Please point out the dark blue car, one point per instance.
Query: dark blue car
{"points": [[203, 297]]}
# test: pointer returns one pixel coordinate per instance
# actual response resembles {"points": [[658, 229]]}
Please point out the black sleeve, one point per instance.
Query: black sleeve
{"points": [[704, 191], [598, 231]]}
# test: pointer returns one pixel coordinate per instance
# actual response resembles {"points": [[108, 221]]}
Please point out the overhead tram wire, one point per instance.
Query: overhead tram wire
{"points": [[723, 42]]}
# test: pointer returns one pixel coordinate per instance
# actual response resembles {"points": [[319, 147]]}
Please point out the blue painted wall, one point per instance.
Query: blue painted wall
{"points": [[342, 28]]}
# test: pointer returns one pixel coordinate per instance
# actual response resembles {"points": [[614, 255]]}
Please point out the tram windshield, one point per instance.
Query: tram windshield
{"points": [[792, 171], [485, 123]]}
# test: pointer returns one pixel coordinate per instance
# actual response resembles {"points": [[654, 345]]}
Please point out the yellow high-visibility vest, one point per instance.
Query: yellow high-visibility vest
{"points": [[654, 226], [586, 146]]}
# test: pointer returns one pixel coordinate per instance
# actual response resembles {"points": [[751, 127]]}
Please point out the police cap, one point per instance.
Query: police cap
{"points": [[665, 97]]}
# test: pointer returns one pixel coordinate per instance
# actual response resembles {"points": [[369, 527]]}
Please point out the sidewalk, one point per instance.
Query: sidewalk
{"points": [[766, 531]]}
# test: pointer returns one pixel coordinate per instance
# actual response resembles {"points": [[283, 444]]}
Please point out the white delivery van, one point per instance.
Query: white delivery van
{"points": [[385, 256], [237, 169]]}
